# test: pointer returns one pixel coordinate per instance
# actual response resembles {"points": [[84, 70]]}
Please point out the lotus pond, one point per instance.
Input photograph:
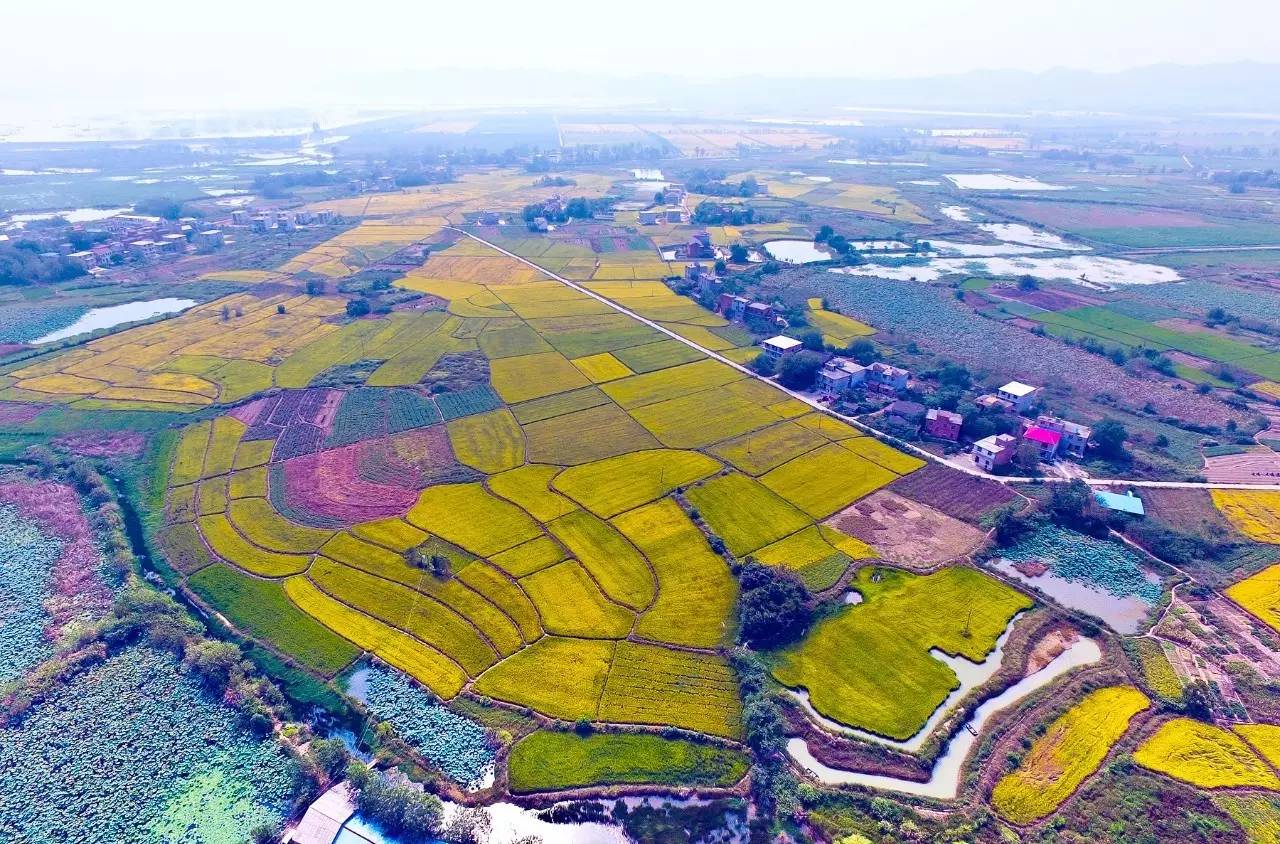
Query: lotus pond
{"points": [[135, 750], [450, 742]]}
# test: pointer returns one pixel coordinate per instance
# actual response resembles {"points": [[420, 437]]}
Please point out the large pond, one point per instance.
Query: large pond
{"points": [[114, 315], [944, 780], [796, 251], [1092, 271], [999, 181]]}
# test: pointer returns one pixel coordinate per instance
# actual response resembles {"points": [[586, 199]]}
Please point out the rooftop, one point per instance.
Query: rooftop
{"points": [[995, 442], [1017, 388], [1042, 435], [782, 342], [1127, 503]]}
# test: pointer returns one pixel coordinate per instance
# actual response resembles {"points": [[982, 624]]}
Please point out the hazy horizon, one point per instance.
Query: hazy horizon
{"points": [[151, 55]]}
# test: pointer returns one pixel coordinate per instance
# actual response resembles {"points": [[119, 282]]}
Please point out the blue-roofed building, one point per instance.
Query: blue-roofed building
{"points": [[1127, 503]]}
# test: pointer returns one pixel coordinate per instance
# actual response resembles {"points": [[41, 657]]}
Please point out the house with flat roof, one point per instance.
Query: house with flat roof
{"points": [[840, 375], [889, 378], [1020, 395], [775, 348]]}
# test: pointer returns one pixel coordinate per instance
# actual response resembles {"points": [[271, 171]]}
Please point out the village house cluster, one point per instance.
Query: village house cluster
{"points": [[672, 210], [140, 239], [1052, 437]]}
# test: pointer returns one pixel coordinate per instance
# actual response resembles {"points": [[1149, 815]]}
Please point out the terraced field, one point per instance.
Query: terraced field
{"points": [[540, 538]]}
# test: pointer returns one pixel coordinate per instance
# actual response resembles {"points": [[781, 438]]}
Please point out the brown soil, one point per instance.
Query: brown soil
{"points": [[907, 532]]}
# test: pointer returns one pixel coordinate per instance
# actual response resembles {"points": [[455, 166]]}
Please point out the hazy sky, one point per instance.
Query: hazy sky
{"points": [[146, 52]]}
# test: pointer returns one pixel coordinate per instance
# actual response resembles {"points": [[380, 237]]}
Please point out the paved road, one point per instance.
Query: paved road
{"points": [[816, 405]]}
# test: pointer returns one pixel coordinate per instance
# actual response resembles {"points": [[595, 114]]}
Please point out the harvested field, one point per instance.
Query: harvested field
{"points": [[1185, 509], [962, 496], [905, 531]]}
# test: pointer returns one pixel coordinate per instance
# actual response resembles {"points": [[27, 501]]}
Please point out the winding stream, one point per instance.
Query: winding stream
{"points": [[944, 782]]}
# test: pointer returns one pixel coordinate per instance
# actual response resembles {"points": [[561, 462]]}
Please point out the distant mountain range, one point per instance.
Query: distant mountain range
{"points": [[1167, 89]]}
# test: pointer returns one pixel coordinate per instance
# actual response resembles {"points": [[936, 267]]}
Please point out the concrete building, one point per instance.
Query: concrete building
{"points": [[209, 239], [1045, 441], [775, 348], [838, 376], [994, 451], [144, 250], [1075, 437], [943, 424], [889, 378], [652, 216], [1020, 395], [84, 259]]}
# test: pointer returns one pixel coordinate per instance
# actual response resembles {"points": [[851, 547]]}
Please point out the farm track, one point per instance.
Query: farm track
{"points": [[818, 406]]}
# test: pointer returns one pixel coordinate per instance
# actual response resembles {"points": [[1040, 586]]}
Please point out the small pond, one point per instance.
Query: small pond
{"points": [[114, 315], [796, 251]]}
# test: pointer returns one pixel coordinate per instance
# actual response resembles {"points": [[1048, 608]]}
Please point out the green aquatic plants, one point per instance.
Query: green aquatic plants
{"points": [[450, 742], [127, 750], [26, 558], [1108, 565]]}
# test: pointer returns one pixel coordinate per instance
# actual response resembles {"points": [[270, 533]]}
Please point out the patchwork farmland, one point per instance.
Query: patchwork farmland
{"points": [[522, 548]]}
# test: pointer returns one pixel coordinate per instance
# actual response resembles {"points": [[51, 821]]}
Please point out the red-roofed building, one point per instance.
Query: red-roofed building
{"points": [[1045, 441]]}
